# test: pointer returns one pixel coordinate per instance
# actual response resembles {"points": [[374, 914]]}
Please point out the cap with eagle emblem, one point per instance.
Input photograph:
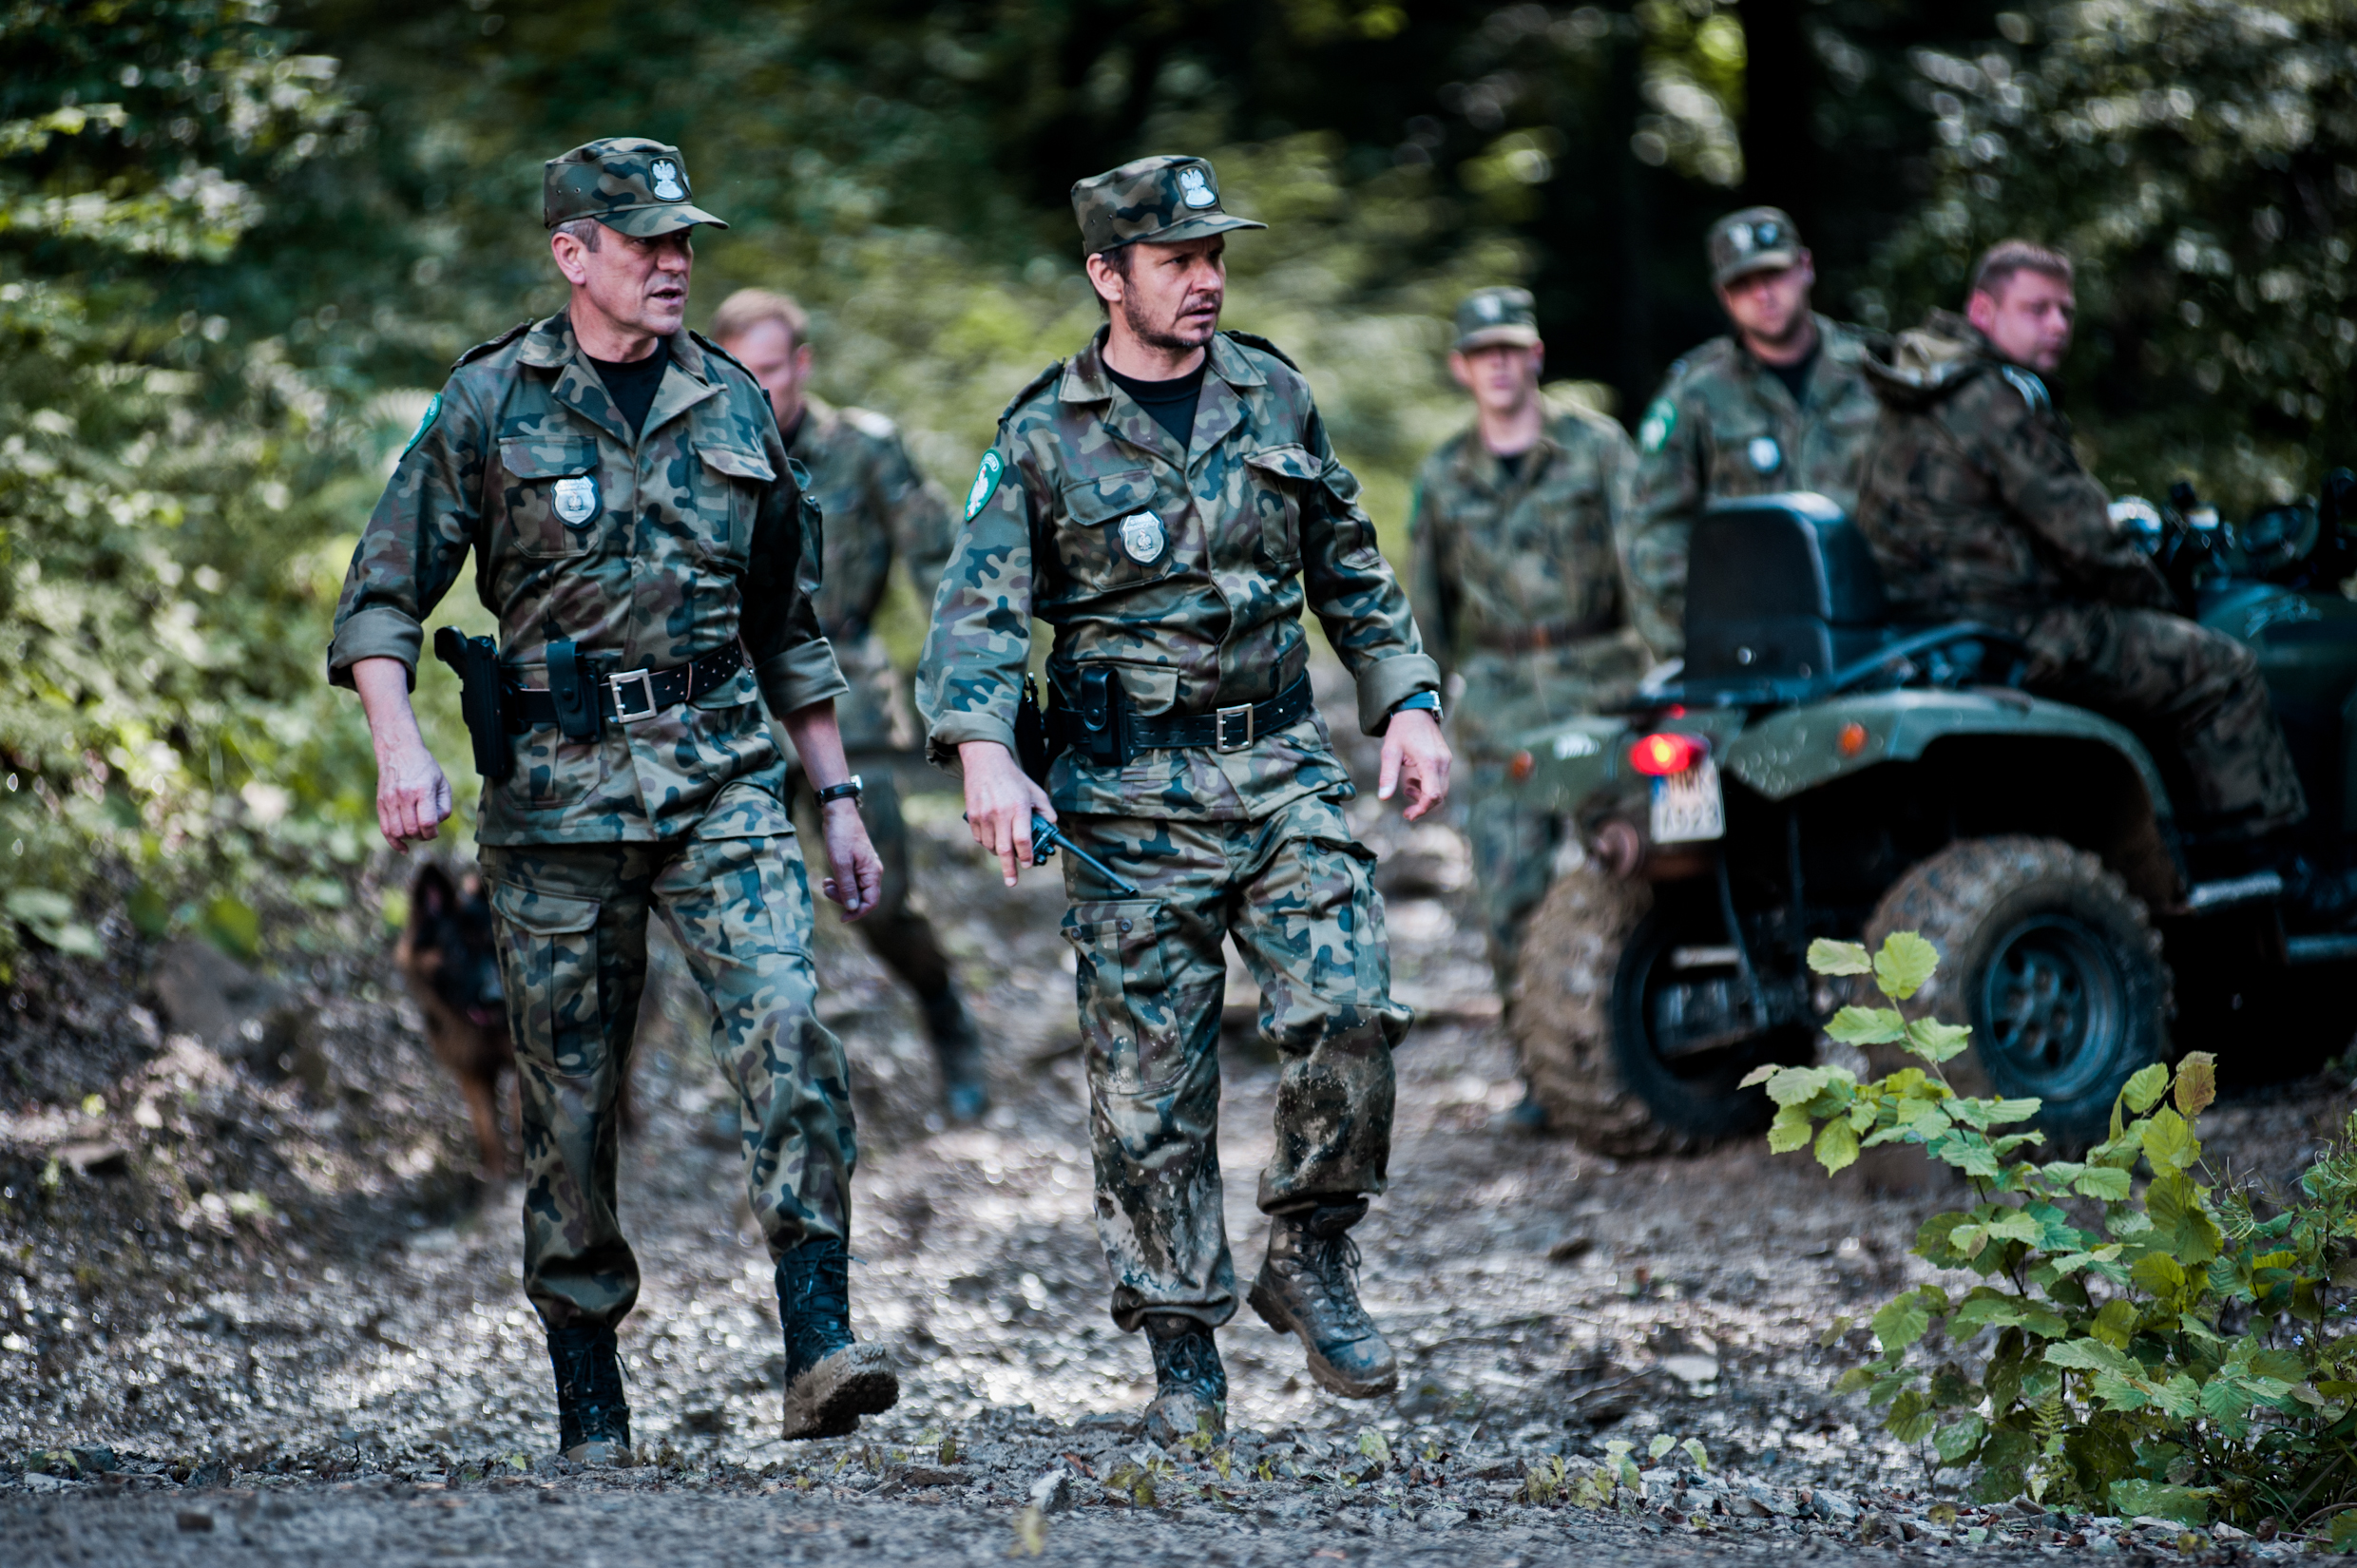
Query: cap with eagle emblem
{"points": [[630, 184], [1164, 199]]}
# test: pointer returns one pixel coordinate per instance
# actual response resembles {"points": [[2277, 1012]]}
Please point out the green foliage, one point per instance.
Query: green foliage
{"points": [[2176, 1350]]}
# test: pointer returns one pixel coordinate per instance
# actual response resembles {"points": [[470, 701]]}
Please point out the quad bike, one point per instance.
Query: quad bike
{"points": [[1818, 770]]}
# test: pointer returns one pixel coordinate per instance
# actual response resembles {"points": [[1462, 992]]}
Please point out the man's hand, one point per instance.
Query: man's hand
{"points": [[412, 795], [858, 879], [1414, 754], [1000, 799]]}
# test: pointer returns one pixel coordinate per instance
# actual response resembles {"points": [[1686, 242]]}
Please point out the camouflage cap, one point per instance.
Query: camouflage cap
{"points": [[1166, 199], [1752, 240], [1490, 316], [630, 184]]}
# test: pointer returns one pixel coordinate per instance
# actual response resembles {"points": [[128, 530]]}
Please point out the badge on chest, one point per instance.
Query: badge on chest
{"points": [[575, 500], [1144, 538]]}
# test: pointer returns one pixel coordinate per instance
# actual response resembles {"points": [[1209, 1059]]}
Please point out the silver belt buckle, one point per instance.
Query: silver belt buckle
{"points": [[632, 706], [1220, 738]]}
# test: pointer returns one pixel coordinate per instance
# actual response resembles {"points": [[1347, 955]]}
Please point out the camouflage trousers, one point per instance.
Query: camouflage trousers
{"points": [[1295, 892], [1513, 851], [2195, 691], [901, 938], [572, 947]]}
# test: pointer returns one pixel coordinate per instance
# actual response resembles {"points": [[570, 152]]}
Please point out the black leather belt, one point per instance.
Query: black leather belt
{"points": [[1230, 729], [628, 696]]}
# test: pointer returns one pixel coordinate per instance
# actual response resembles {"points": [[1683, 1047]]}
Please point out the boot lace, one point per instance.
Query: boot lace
{"points": [[590, 1403], [1330, 1266], [1189, 1361], [815, 1304]]}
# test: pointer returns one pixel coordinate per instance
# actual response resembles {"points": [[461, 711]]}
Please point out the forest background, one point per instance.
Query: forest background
{"points": [[241, 243]]}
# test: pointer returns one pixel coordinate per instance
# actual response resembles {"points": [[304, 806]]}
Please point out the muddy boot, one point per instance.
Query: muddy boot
{"points": [[1309, 1287], [593, 1417], [957, 1046], [1190, 1386], [832, 1380]]}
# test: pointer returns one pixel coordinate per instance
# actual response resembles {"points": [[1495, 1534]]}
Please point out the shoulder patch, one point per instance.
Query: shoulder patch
{"points": [[1253, 340], [1031, 388], [493, 346], [985, 483], [871, 424], [2025, 382], [425, 423], [1652, 431]]}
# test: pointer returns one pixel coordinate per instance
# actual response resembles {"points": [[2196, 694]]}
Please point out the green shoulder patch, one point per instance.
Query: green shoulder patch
{"points": [[425, 423], [1653, 433], [985, 483]]}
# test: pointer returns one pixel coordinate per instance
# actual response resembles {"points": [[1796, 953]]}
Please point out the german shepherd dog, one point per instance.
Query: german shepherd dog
{"points": [[450, 958]]}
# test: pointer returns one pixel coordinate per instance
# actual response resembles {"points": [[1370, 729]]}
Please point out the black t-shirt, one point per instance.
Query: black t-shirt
{"points": [[631, 383], [1171, 403], [1795, 377], [1512, 463]]}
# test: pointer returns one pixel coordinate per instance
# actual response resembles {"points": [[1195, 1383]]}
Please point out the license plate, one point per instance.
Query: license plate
{"points": [[1687, 807]]}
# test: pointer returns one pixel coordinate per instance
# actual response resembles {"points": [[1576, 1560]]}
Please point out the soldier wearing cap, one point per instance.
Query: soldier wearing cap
{"points": [[1519, 589], [1780, 404], [878, 509], [1167, 501], [653, 558]]}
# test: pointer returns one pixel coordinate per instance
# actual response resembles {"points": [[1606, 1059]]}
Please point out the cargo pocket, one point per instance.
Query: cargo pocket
{"points": [[548, 961], [1281, 477], [728, 497], [1122, 981], [552, 497], [1371, 945]]}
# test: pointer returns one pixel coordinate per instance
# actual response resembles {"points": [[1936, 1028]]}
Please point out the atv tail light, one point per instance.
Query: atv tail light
{"points": [[1665, 753], [1522, 767], [1852, 739]]}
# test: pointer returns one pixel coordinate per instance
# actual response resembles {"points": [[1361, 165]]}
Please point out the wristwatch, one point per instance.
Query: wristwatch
{"points": [[1429, 701], [851, 790]]}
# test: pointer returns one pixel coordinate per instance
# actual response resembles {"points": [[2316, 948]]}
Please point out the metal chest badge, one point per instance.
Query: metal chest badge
{"points": [[1766, 456], [1144, 538], [575, 500]]}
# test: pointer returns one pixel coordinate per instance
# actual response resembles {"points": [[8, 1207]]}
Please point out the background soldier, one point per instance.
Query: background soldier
{"points": [[628, 490], [1780, 405], [876, 507], [1519, 591], [1978, 509], [1165, 501]]}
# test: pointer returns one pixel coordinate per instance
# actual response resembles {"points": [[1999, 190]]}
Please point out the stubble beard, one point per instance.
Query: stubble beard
{"points": [[1165, 339]]}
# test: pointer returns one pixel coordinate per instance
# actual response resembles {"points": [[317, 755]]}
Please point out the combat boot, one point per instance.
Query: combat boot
{"points": [[832, 1380], [1190, 1386], [593, 1417], [957, 1046], [1309, 1287]]}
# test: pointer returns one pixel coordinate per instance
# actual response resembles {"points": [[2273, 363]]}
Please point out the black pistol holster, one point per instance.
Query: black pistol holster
{"points": [[1102, 732], [573, 690], [476, 660], [1037, 745]]}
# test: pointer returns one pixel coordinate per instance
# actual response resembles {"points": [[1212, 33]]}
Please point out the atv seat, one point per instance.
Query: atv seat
{"points": [[1781, 590]]}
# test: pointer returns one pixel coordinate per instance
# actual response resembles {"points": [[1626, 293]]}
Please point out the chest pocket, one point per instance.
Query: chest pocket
{"points": [[1750, 458], [553, 496], [728, 498], [1279, 482], [1115, 530]]}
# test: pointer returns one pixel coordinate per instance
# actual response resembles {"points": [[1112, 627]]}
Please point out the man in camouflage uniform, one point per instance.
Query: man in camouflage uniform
{"points": [[1780, 404], [878, 507], [1167, 500], [653, 558], [1977, 508], [1519, 591]]}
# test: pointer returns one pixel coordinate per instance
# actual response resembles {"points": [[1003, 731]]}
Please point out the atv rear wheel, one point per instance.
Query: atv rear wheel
{"points": [[2052, 963], [1561, 1014]]}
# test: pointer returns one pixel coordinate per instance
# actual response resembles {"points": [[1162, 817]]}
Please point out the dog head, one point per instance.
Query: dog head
{"points": [[448, 945]]}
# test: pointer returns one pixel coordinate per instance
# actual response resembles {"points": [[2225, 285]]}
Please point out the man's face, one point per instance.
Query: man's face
{"points": [[1172, 296], [2028, 318], [1770, 306], [1502, 377], [639, 285], [781, 365]]}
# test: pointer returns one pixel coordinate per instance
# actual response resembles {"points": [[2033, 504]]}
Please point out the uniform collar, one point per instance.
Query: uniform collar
{"points": [[1229, 371], [1483, 468], [687, 380]]}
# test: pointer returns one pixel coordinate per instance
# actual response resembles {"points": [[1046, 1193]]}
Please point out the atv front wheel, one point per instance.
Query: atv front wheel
{"points": [[2052, 963], [1561, 1015]]}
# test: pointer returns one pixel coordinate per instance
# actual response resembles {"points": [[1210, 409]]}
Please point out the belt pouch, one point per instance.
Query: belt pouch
{"points": [[570, 691], [1102, 737]]}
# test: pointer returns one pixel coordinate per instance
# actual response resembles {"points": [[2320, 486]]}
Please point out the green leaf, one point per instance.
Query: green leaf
{"points": [[1867, 1027], [2157, 1274], [2186, 1504], [1797, 1085], [1936, 1042], [1698, 1453], [2198, 1082], [1790, 1131], [1837, 1147], [2144, 1090], [2343, 1536], [1902, 1321], [2102, 1181], [1959, 1442], [1903, 965], [2169, 1143], [1759, 1075], [1662, 1442], [1839, 957], [2092, 1355], [1374, 1446]]}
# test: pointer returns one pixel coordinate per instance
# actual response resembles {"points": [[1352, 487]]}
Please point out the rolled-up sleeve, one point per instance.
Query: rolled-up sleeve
{"points": [[791, 658], [415, 543]]}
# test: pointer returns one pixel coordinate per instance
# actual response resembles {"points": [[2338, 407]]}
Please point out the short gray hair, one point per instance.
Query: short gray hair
{"points": [[588, 230]]}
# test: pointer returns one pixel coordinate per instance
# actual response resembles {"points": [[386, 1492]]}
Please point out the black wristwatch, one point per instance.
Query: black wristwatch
{"points": [[850, 789], [1428, 701]]}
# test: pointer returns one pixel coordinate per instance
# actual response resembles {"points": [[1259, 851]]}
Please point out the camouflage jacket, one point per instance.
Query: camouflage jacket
{"points": [[1187, 571], [1974, 501], [1516, 580], [1726, 426], [646, 553], [878, 507]]}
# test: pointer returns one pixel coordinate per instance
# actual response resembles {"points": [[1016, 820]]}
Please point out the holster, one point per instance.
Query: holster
{"points": [[1036, 746], [572, 687], [1104, 736], [476, 660]]}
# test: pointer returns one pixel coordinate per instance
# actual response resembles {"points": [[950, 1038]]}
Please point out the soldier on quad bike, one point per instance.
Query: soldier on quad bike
{"points": [[1977, 508]]}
